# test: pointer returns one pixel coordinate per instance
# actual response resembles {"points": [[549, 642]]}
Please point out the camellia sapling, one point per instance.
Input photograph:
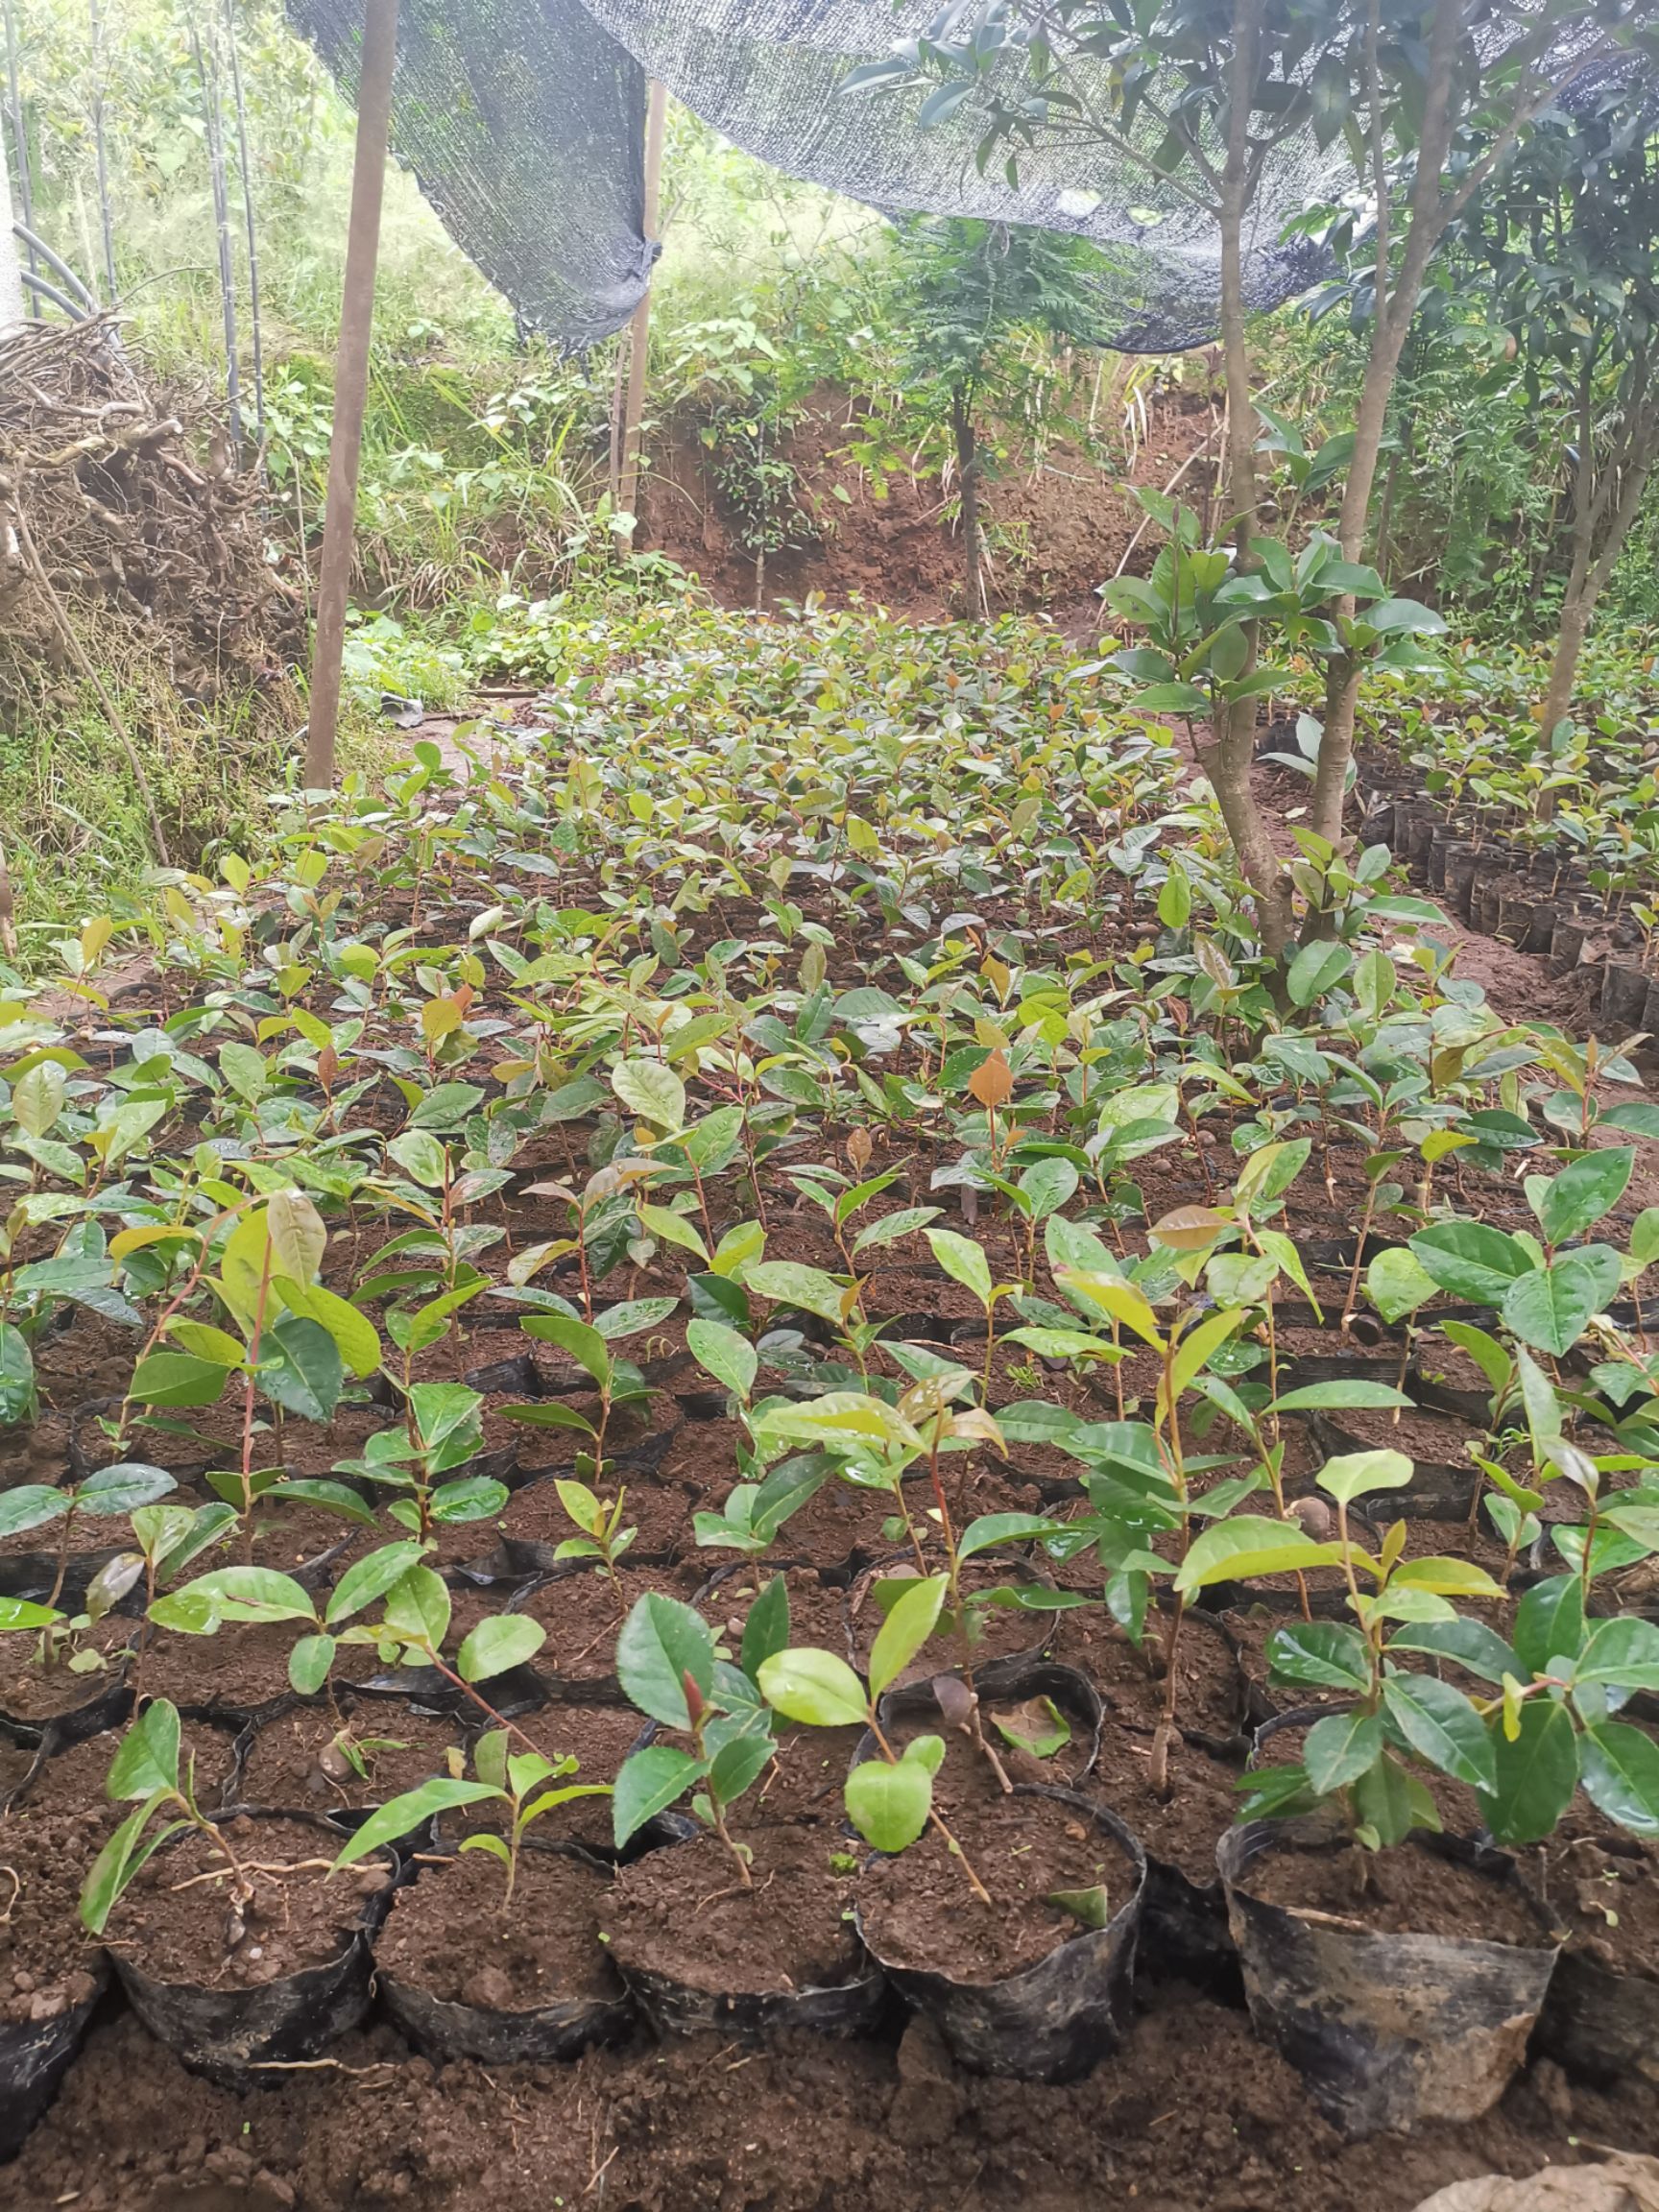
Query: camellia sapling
{"points": [[512, 1779], [668, 1667], [889, 1798]]}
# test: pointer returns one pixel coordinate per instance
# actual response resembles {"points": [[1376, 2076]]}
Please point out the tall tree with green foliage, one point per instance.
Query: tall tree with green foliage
{"points": [[1573, 245], [965, 289], [1429, 97]]}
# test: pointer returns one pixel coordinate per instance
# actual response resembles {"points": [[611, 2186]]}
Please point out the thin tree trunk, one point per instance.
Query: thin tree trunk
{"points": [[1229, 758], [639, 329], [351, 386], [245, 164], [208, 72], [19, 131], [10, 269], [968, 478], [106, 214], [1587, 579]]}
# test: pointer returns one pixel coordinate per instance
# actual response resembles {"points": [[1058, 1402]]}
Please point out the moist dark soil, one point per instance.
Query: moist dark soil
{"points": [[684, 1912], [177, 1928], [1209, 1685], [919, 1910], [34, 1693], [240, 1668], [807, 1777], [817, 1609], [1408, 1890], [1183, 1823], [1603, 1889], [303, 1757], [47, 1962], [452, 1934]]}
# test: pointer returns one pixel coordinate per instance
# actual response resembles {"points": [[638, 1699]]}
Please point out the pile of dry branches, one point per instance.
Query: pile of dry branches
{"points": [[118, 534], [97, 477]]}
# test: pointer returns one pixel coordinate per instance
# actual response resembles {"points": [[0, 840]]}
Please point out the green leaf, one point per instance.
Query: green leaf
{"points": [[992, 1529], [1536, 1775], [1471, 1644], [238, 1593], [354, 1335], [369, 1578], [118, 1861], [1471, 1261], [767, 1628], [662, 1642], [889, 1804], [1550, 1623], [1442, 1726], [652, 1091], [730, 1358], [31, 1505], [584, 1345], [647, 1783], [906, 1630], [1316, 968], [307, 1377], [175, 1380], [1312, 1395], [1324, 1654], [738, 1764], [1551, 1308], [1622, 1776], [786, 1282], [1339, 1748], [815, 1688], [1584, 1190], [473, 1498], [963, 1260], [1623, 1653], [631, 1315], [1250, 1545], [400, 1817], [662, 1221], [1397, 1283], [507, 1640], [123, 1488], [418, 1607], [892, 1226], [148, 1759], [308, 1664], [1356, 1473]]}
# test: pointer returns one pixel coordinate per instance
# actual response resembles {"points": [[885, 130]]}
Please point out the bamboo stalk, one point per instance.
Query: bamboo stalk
{"points": [[207, 70], [639, 329], [255, 320], [351, 385], [19, 135], [106, 214]]}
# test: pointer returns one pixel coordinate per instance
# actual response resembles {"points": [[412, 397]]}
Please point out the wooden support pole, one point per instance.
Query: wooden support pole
{"points": [[639, 329], [351, 386]]}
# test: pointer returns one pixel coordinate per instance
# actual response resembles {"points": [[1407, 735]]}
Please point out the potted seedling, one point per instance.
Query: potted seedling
{"points": [[474, 1964], [765, 1953], [190, 1931], [1327, 1908], [1032, 1977]]}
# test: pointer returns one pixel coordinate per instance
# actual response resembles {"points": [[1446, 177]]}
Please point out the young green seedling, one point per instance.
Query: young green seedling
{"points": [[667, 1665], [145, 1769], [512, 1779], [889, 1798]]}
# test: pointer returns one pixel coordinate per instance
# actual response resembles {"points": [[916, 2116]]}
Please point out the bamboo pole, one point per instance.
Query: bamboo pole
{"points": [[11, 269], [639, 329], [207, 69], [106, 214], [351, 386], [19, 133], [255, 322]]}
